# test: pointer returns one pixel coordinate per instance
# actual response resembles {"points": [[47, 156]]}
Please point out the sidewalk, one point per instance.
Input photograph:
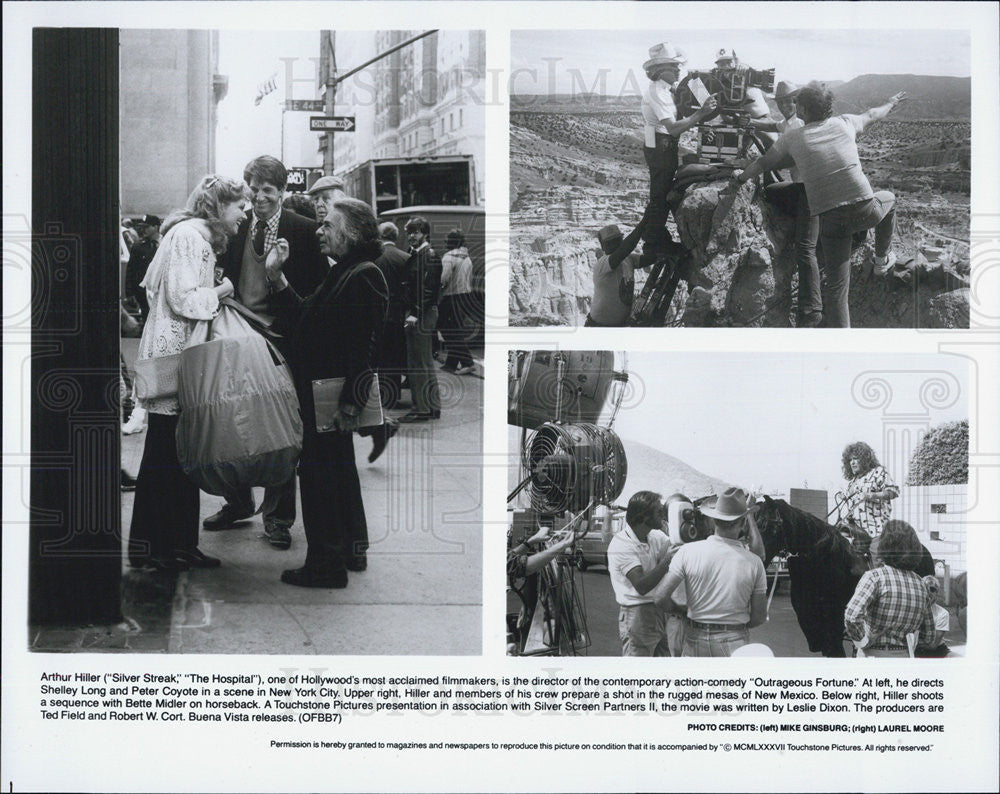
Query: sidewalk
{"points": [[421, 593]]}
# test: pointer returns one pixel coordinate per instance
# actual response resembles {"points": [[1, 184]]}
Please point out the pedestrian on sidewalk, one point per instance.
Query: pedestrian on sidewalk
{"points": [[181, 286], [456, 295], [244, 265], [333, 333], [423, 291]]}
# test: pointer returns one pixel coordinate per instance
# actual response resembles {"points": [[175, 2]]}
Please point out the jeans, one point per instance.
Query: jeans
{"points": [[837, 227], [662, 163], [642, 630], [420, 363], [791, 196], [713, 642]]}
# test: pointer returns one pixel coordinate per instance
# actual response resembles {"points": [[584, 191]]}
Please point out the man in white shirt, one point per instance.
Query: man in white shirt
{"points": [[724, 581], [638, 558], [662, 129]]}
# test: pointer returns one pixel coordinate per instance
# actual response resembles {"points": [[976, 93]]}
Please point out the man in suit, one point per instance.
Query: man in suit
{"points": [[422, 291], [244, 265]]}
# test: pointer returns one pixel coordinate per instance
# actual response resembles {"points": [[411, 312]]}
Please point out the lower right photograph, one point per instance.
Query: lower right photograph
{"points": [[737, 504]]}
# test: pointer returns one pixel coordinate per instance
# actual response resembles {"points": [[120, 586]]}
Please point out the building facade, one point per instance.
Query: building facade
{"points": [[421, 101], [170, 90]]}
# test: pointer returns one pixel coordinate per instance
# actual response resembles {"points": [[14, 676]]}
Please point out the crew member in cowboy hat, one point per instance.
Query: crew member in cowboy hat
{"points": [[662, 129], [724, 581], [790, 197]]}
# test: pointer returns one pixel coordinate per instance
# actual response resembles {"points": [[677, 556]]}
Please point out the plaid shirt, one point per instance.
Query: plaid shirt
{"points": [[870, 516], [888, 604], [270, 229]]}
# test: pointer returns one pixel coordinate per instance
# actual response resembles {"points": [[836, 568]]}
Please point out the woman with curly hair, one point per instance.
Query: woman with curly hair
{"points": [[891, 600], [870, 489], [825, 152], [180, 285]]}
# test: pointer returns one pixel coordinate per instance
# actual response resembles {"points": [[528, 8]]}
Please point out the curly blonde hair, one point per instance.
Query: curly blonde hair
{"points": [[865, 455], [206, 202]]}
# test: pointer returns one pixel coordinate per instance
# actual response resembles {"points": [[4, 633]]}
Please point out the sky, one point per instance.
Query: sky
{"points": [[782, 421], [554, 59], [246, 131]]}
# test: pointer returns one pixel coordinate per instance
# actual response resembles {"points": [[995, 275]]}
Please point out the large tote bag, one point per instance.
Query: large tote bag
{"points": [[239, 424]]}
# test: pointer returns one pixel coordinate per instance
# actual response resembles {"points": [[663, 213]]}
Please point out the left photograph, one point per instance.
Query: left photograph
{"points": [[301, 255]]}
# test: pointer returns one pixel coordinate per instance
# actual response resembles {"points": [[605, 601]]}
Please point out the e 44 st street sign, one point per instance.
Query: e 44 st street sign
{"points": [[331, 123]]}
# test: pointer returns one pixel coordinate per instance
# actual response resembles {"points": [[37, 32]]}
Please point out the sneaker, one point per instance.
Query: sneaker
{"points": [[128, 482], [277, 534], [465, 370], [416, 416], [136, 422], [446, 367], [883, 264], [226, 518]]}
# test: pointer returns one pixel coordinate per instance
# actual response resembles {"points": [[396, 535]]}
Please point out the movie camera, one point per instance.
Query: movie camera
{"points": [[568, 463], [731, 86]]}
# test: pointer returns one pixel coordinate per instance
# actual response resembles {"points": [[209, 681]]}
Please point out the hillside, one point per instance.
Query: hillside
{"points": [[930, 97]]}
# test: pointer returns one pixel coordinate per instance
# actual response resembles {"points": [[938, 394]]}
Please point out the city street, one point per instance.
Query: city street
{"points": [[421, 593]]}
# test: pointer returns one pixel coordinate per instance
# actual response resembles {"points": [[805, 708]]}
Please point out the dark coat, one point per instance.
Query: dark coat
{"points": [[393, 264], [423, 281], [306, 266], [334, 335], [141, 255]]}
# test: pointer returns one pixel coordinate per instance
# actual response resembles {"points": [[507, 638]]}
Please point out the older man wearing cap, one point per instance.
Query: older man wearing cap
{"points": [[143, 249], [791, 198], [662, 129], [614, 279], [325, 191], [723, 579]]}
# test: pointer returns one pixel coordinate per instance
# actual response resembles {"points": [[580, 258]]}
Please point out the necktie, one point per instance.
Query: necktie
{"points": [[258, 238]]}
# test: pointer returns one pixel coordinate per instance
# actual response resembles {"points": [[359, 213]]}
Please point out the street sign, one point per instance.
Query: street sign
{"points": [[297, 179], [312, 105], [331, 123]]}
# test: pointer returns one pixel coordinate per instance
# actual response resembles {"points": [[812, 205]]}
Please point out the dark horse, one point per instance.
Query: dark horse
{"points": [[823, 569]]}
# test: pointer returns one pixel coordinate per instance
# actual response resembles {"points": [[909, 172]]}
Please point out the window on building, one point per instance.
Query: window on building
{"points": [[451, 121], [460, 117], [442, 126]]}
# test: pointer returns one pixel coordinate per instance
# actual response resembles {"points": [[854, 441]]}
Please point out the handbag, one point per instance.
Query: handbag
{"points": [[157, 377], [326, 399]]}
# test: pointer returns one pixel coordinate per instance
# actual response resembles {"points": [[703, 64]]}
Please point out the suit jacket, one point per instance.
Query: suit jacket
{"points": [[306, 266], [393, 264], [423, 281], [334, 335]]}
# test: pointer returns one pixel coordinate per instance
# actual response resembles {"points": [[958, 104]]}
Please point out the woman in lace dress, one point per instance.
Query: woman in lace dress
{"points": [[180, 286]]}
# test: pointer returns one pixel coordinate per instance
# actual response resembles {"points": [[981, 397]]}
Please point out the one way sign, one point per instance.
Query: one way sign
{"points": [[331, 123]]}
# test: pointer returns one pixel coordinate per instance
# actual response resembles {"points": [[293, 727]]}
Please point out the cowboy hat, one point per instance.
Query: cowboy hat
{"points": [[662, 54], [610, 232], [732, 504], [786, 90]]}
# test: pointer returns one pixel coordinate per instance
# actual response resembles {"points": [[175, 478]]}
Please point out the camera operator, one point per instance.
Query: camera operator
{"points": [[638, 558], [826, 153], [662, 129], [723, 579]]}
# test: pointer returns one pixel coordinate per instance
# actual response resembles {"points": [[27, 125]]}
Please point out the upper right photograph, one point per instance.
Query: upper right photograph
{"points": [[743, 178]]}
